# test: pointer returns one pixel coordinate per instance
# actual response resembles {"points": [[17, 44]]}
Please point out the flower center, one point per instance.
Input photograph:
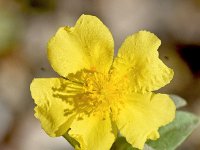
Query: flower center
{"points": [[99, 93], [91, 93]]}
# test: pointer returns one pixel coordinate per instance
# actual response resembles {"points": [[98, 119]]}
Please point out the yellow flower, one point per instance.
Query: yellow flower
{"points": [[96, 97]]}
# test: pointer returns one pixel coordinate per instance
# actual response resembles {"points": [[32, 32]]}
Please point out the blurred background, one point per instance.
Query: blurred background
{"points": [[27, 25]]}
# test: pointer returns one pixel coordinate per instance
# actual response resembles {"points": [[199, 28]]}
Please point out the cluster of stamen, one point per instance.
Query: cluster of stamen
{"points": [[89, 93]]}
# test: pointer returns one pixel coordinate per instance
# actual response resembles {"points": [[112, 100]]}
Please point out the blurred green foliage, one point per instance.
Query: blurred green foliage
{"points": [[10, 30], [37, 5]]}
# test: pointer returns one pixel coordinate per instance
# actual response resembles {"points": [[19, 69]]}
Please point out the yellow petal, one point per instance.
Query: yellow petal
{"points": [[142, 115], [87, 45], [138, 62], [50, 109], [93, 133]]}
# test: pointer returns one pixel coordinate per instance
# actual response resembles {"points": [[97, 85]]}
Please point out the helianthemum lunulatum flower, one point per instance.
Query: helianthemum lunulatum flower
{"points": [[96, 97]]}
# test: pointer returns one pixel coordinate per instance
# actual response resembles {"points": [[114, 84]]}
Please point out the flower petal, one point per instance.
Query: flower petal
{"points": [[87, 45], [138, 61], [50, 109], [142, 115], [93, 133]]}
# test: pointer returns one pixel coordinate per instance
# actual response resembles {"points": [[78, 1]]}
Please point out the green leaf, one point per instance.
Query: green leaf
{"points": [[172, 135], [122, 144], [179, 101]]}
